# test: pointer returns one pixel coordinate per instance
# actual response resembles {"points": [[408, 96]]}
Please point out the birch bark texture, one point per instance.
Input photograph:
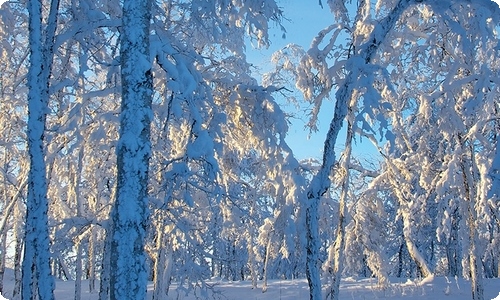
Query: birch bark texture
{"points": [[128, 263], [37, 281]]}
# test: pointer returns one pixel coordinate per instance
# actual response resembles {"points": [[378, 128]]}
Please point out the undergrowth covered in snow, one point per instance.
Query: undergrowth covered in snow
{"points": [[350, 288]]}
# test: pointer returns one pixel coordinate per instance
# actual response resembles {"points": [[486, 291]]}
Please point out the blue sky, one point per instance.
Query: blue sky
{"points": [[305, 20]]}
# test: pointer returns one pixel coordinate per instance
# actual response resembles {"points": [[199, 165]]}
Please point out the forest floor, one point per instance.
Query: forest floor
{"points": [[350, 288]]}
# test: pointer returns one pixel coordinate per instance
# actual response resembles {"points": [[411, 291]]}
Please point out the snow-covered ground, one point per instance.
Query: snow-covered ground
{"points": [[361, 288]]}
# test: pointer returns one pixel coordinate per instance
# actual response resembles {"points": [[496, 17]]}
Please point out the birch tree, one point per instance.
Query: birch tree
{"points": [[366, 40], [128, 265], [37, 279]]}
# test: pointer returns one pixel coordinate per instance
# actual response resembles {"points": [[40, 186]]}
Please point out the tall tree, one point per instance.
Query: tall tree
{"points": [[128, 262], [37, 279], [366, 41]]}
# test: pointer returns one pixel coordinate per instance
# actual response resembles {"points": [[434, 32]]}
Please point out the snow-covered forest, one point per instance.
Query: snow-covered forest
{"points": [[140, 148]]}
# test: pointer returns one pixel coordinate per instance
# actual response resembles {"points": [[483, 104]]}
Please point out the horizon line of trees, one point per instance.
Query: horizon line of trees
{"points": [[134, 140]]}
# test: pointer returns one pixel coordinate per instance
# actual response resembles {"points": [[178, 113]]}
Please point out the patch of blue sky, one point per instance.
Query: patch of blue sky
{"points": [[303, 20]]}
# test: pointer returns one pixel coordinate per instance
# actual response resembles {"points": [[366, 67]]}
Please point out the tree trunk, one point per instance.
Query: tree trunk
{"points": [[92, 259], [129, 272], [400, 260], [266, 262], [105, 285], [251, 257], [19, 241], [475, 264], [37, 280], [79, 271], [312, 249], [412, 248], [163, 265], [75, 191], [336, 254], [3, 247], [453, 252]]}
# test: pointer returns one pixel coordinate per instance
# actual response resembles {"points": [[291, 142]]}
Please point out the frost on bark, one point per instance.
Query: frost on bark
{"points": [[37, 281], [162, 269], [104, 286], [475, 265], [18, 238], [128, 263], [3, 243], [335, 260], [92, 259], [407, 213], [495, 168]]}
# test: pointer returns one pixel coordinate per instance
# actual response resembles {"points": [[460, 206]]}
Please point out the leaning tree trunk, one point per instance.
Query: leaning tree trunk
{"points": [[336, 251], [407, 208], [414, 252], [129, 272]]}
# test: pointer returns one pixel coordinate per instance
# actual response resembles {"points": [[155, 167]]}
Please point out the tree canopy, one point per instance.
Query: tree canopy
{"points": [[148, 115]]}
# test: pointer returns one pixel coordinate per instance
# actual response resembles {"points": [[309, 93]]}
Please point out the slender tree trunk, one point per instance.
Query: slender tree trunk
{"points": [[214, 263], [453, 252], [476, 268], [163, 264], [75, 191], [18, 250], [400, 260], [312, 250], [251, 257], [92, 259], [266, 262], [8, 207], [37, 279], [336, 254], [79, 271], [3, 248], [474, 256], [167, 273], [128, 263], [105, 285], [159, 265]]}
